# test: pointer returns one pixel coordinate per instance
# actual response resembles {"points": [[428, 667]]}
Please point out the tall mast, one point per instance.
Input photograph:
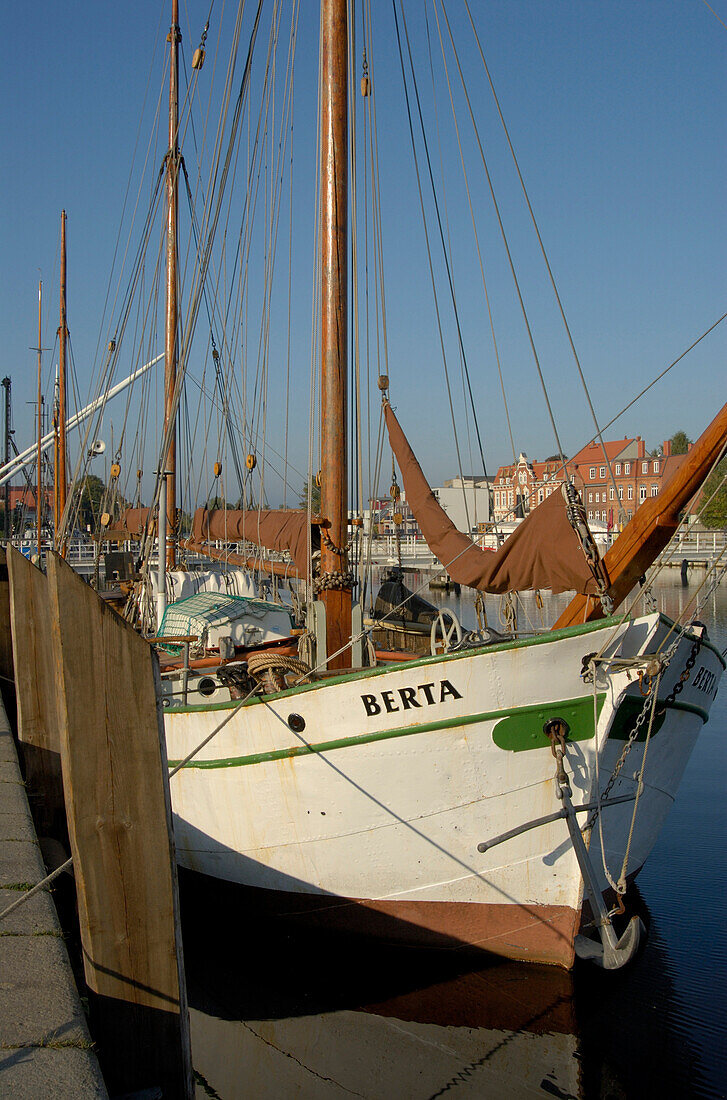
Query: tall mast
{"points": [[334, 316], [8, 432], [39, 490], [171, 318], [60, 473]]}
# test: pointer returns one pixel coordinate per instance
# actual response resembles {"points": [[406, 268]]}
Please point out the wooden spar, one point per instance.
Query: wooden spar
{"points": [[39, 493], [60, 472], [334, 316], [654, 523], [171, 315], [276, 568], [116, 788]]}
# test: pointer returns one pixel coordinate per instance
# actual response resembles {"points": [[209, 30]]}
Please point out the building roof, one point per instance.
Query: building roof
{"points": [[592, 454]]}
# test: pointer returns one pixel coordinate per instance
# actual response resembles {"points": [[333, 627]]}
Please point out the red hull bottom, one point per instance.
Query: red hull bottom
{"points": [[528, 933]]}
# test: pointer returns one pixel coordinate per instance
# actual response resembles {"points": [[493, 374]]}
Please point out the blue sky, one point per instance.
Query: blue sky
{"points": [[616, 111]]}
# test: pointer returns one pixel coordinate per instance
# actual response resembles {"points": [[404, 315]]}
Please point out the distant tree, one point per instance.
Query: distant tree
{"points": [[93, 491], [680, 443], [715, 512], [555, 458], [315, 494]]}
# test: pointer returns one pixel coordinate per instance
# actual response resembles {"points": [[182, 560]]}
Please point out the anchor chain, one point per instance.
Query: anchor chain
{"points": [[576, 514], [556, 730], [679, 685]]}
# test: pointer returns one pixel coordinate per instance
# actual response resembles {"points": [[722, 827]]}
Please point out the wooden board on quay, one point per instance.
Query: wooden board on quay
{"points": [[119, 818]]}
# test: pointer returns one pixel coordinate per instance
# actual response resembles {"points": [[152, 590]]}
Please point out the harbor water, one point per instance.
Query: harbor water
{"points": [[279, 1011]]}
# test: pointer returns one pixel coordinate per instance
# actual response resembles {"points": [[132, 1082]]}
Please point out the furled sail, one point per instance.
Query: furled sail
{"points": [[275, 530], [130, 525], [543, 552]]}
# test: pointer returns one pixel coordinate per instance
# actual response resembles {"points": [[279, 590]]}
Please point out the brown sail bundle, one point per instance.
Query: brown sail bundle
{"points": [[130, 525], [543, 552], [275, 530]]}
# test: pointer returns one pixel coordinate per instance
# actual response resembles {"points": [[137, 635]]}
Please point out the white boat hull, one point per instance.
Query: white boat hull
{"points": [[381, 799]]}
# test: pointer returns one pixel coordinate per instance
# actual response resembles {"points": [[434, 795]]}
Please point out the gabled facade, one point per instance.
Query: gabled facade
{"points": [[522, 486]]}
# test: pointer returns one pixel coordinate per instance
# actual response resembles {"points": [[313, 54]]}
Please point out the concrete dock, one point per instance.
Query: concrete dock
{"points": [[45, 1046]]}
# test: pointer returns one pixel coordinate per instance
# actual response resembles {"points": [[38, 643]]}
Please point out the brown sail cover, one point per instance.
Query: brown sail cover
{"points": [[130, 525], [275, 530], [542, 552]]}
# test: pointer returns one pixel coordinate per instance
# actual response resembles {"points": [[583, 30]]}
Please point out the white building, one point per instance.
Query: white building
{"points": [[467, 502]]}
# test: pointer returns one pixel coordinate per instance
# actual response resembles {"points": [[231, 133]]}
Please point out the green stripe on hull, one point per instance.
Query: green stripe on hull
{"points": [[528, 717], [524, 729]]}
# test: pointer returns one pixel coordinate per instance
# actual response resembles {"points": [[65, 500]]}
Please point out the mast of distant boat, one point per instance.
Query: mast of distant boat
{"points": [[334, 317], [169, 460], [60, 476], [39, 491]]}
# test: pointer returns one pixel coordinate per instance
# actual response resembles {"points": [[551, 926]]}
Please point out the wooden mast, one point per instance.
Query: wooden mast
{"points": [[39, 490], [171, 315], [654, 523], [60, 472], [334, 315]]}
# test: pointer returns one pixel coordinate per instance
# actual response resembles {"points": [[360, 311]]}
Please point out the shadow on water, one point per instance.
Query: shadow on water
{"points": [[278, 1011], [282, 1011]]}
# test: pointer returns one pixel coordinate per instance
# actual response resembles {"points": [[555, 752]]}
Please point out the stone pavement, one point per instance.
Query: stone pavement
{"points": [[45, 1047]]}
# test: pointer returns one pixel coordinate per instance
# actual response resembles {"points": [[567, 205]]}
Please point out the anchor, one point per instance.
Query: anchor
{"points": [[612, 952]]}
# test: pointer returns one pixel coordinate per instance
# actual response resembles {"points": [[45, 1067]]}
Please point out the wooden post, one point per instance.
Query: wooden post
{"points": [[119, 818], [35, 689], [7, 674]]}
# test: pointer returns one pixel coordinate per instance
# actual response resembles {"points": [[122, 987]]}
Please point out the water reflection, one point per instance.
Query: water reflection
{"points": [[281, 1012]]}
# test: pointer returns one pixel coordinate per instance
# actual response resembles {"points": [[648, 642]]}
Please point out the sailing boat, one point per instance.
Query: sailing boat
{"points": [[490, 795]]}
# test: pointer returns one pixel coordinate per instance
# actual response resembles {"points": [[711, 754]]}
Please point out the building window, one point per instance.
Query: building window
{"points": [[644, 467], [611, 493], [540, 496], [620, 492], [630, 514], [656, 467], [627, 467], [602, 471], [618, 467], [592, 473], [630, 492], [590, 498], [654, 490], [590, 515], [642, 494]]}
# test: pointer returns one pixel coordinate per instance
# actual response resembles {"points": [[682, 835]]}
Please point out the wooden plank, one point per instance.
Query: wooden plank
{"points": [[35, 688], [119, 816], [653, 525], [6, 644], [7, 676]]}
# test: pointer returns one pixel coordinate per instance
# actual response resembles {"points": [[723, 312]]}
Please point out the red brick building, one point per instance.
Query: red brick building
{"points": [[634, 477]]}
